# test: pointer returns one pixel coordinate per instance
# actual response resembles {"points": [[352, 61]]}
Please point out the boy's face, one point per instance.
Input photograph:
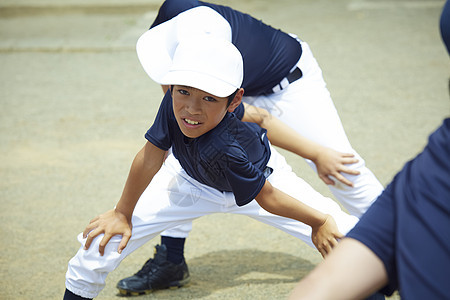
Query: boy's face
{"points": [[197, 112]]}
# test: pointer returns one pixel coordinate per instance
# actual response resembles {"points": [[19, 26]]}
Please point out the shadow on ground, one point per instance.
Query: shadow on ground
{"points": [[246, 268]]}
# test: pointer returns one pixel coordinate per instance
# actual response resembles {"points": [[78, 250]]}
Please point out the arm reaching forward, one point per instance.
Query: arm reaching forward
{"points": [[325, 233], [117, 221]]}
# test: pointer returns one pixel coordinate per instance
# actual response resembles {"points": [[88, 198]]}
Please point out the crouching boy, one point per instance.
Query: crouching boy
{"points": [[220, 164]]}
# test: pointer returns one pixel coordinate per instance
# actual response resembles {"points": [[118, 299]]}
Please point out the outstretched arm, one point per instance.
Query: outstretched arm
{"points": [[117, 221], [328, 161], [324, 229], [351, 271]]}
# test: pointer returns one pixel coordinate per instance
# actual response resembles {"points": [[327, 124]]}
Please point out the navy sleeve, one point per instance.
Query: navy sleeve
{"points": [[239, 111], [159, 133], [245, 179]]}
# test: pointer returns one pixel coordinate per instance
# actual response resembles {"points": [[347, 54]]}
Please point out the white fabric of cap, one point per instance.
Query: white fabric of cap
{"points": [[156, 47], [207, 63]]}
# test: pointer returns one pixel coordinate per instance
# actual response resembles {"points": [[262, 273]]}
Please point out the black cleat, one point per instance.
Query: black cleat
{"points": [[157, 273]]}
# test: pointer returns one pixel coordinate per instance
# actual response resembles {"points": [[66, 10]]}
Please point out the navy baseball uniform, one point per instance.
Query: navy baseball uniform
{"points": [[233, 153]]}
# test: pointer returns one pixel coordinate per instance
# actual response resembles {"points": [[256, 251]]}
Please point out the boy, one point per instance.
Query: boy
{"points": [[219, 164], [282, 76]]}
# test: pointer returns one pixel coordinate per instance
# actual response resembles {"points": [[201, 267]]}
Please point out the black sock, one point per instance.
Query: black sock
{"points": [[68, 295], [175, 248]]}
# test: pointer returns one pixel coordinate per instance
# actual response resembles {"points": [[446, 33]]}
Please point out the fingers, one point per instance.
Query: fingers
{"points": [[331, 243], [123, 242], [326, 179], [103, 242], [326, 248], [94, 219], [109, 224], [348, 159], [92, 225], [86, 232], [323, 253], [328, 238], [348, 155], [90, 232], [108, 234], [349, 171], [342, 179], [339, 236], [336, 169], [90, 237], [338, 176]]}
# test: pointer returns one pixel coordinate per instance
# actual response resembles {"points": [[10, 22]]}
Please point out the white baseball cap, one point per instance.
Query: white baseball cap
{"points": [[156, 47], [207, 63]]}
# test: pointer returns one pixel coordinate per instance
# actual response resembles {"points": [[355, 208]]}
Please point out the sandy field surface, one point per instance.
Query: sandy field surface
{"points": [[76, 104]]}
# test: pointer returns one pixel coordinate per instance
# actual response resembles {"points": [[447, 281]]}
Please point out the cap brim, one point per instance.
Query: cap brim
{"points": [[155, 50], [199, 81]]}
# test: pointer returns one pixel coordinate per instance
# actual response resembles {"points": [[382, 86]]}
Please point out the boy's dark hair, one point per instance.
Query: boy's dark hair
{"points": [[230, 98]]}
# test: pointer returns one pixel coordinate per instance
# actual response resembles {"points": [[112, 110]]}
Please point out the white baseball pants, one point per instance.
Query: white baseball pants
{"points": [[174, 198]]}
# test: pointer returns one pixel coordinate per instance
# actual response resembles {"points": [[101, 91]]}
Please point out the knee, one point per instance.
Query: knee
{"points": [[91, 259]]}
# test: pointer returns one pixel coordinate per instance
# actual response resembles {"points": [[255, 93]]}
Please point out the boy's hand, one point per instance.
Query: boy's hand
{"points": [[331, 163], [326, 236], [110, 223]]}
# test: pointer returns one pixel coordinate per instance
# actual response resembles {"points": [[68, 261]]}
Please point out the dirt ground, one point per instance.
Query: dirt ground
{"points": [[76, 104]]}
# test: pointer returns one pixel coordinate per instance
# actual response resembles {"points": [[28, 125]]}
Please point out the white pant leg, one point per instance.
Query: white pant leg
{"points": [[181, 231], [284, 179], [173, 198], [306, 106]]}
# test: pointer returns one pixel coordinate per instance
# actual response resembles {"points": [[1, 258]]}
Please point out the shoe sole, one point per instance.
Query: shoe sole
{"points": [[173, 286]]}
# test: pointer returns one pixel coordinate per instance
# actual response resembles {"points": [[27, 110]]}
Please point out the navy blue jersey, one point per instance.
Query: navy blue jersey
{"points": [[231, 157], [408, 226], [268, 53]]}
